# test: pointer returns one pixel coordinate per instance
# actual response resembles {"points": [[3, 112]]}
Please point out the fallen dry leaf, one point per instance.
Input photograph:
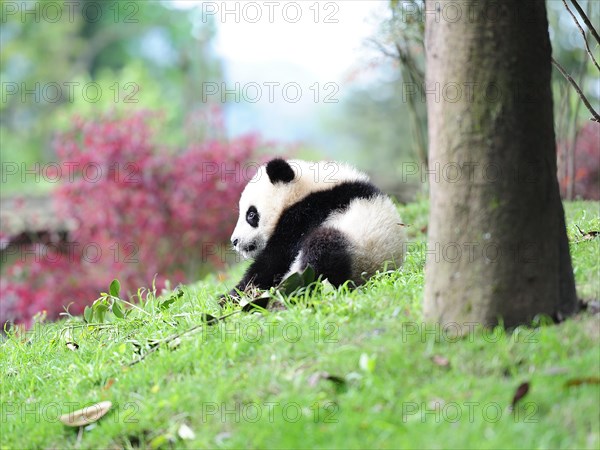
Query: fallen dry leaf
{"points": [[521, 392], [108, 384], [87, 415], [588, 235], [440, 360], [580, 381], [185, 432]]}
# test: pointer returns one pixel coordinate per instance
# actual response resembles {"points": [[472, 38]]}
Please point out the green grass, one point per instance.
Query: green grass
{"points": [[353, 369]]}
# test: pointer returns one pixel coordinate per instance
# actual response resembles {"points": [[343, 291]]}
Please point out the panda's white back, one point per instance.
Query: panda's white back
{"points": [[372, 225]]}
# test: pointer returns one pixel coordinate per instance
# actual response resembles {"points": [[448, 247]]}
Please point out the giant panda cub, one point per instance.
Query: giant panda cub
{"points": [[329, 215]]}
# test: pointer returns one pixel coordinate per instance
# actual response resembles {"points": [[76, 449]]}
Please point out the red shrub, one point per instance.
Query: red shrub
{"points": [[140, 211], [586, 164]]}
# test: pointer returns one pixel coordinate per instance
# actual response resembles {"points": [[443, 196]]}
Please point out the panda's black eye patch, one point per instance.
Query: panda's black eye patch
{"points": [[252, 216]]}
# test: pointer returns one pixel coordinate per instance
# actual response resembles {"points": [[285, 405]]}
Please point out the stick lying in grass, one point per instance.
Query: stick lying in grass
{"points": [[209, 320], [291, 284]]}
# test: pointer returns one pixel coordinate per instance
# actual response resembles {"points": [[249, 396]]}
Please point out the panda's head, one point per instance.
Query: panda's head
{"points": [[265, 197]]}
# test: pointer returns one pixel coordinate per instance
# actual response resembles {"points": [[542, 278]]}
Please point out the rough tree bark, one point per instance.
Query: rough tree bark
{"points": [[497, 243]]}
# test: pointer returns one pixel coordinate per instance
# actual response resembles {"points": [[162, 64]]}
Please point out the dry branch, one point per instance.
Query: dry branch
{"points": [[583, 33], [561, 69], [586, 19]]}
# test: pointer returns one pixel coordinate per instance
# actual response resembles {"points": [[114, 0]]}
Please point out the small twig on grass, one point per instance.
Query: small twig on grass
{"points": [[561, 69], [171, 338]]}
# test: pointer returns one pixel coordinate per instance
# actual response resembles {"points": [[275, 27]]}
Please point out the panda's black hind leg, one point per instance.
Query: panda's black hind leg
{"points": [[327, 251]]}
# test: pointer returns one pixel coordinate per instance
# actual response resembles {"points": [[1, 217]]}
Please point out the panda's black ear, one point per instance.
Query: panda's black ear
{"points": [[279, 171]]}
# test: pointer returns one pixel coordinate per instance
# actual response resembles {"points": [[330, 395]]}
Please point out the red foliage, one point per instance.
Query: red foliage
{"points": [[141, 213], [586, 170]]}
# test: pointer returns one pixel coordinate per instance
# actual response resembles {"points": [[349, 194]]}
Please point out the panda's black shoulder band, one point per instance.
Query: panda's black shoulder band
{"points": [[279, 170]]}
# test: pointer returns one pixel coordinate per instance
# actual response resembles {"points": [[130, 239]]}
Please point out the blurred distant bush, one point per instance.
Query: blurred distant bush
{"points": [[579, 165], [143, 212], [96, 57]]}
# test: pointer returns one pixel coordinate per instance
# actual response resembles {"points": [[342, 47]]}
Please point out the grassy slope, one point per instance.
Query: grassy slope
{"points": [[220, 380]]}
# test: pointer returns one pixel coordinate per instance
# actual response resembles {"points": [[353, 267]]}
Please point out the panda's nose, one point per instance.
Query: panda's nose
{"points": [[234, 242]]}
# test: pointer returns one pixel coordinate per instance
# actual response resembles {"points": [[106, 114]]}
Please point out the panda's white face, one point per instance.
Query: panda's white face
{"points": [[276, 186], [261, 204]]}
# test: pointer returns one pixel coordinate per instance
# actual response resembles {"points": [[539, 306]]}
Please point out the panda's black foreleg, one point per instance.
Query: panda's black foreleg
{"points": [[258, 275], [265, 272], [327, 250]]}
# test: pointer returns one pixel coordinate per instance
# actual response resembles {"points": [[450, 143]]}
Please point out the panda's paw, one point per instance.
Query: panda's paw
{"points": [[232, 296]]}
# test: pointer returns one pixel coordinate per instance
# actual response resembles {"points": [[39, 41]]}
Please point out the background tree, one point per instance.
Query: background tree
{"points": [[497, 237], [575, 84], [399, 128]]}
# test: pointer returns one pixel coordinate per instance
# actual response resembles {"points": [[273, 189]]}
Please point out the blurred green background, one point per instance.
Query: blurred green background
{"points": [[157, 55]]}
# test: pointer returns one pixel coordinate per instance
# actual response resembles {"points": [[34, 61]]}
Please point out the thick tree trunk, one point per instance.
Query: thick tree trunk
{"points": [[497, 244]]}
